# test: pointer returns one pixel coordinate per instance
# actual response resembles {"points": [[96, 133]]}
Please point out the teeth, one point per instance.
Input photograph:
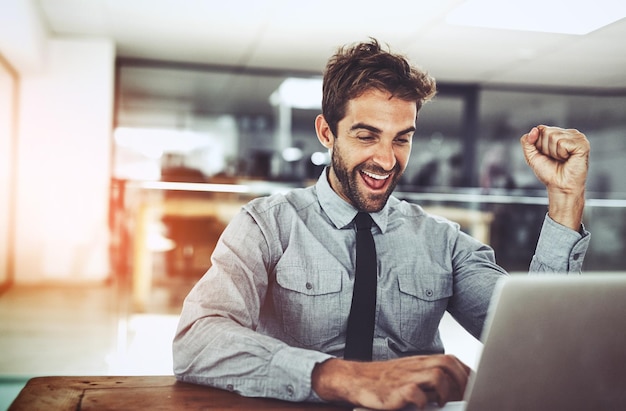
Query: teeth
{"points": [[376, 176]]}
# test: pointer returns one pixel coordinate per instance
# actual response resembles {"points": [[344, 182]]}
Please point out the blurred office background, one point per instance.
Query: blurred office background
{"points": [[131, 131]]}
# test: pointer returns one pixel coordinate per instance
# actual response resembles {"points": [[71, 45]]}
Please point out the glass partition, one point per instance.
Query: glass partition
{"points": [[505, 114], [193, 143], [198, 124]]}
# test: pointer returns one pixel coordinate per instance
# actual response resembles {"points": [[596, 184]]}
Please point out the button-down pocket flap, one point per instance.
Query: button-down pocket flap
{"points": [[308, 281], [425, 288]]}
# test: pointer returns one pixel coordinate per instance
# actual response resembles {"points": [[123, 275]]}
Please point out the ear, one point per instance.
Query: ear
{"points": [[324, 135]]}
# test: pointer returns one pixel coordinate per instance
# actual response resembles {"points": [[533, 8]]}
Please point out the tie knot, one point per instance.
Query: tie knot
{"points": [[363, 221]]}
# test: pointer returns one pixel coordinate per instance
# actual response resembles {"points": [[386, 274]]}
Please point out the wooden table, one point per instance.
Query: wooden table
{"points": [[145, 393]]}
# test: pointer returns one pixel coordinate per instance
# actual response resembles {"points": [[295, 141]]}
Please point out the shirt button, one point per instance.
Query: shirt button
{"points": [[576, 256], [309, 286], [429, 292], [290, 390], [230, 387]]}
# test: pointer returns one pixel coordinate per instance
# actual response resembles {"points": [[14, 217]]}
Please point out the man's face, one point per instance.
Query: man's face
{"points": [[371, 149]]}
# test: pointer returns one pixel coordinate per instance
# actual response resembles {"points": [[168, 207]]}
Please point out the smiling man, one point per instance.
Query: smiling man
{"points": [[294, 308], [368, 162]]}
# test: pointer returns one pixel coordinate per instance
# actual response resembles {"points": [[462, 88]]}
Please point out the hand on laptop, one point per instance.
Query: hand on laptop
{"points": [[393, 384], [559, 157]]}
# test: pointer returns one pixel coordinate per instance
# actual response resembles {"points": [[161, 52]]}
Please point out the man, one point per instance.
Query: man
{"points": [[269, 318]]}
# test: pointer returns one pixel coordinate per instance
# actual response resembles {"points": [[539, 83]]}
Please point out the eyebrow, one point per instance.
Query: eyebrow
{"points": [[364, 126]]}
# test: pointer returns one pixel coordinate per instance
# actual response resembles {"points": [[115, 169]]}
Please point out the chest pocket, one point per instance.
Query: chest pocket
{"points": [[423, 301], [309, 303]]}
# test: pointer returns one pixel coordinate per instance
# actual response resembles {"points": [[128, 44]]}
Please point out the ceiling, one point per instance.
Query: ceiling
{"points": [[291, 35], [256, 43]]}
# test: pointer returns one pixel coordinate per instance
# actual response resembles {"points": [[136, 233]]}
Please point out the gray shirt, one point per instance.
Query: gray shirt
{"points": [[276, 299]]}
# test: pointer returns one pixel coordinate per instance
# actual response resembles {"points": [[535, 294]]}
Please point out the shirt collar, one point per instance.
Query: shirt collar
{"points": [[340, 212]]}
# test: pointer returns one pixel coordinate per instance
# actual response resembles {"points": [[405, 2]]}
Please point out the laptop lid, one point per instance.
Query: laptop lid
{"points": [[553, 342]]}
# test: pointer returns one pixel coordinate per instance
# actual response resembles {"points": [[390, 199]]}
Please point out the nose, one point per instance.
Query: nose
{"points": [[385, 156]]}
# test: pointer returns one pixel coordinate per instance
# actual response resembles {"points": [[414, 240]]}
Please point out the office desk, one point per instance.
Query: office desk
{"points": [[145, 393]]}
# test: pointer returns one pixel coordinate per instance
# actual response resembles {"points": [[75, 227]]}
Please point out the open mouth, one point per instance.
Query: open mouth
{"points": [[374, 181]]}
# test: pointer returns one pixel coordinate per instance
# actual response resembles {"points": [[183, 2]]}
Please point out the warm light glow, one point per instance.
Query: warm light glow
{"points": [[318, 158], [291, 154], [202, 150], [304, 93], [144, 345], [153, 142], [550, 16]]}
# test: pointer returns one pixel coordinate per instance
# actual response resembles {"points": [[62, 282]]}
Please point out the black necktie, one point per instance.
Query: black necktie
{"points": [[360, 334]]}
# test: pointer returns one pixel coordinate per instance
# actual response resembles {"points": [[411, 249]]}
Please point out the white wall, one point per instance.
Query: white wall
{"points": [[63, 163], [64, 125], [7, 110]]}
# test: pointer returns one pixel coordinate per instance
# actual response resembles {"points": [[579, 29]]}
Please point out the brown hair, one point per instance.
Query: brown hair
{"points": [[353, 70]]}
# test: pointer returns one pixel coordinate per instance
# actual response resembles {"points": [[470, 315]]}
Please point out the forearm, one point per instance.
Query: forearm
{"points": [[328, 380], [220, 353], [567, 208]]}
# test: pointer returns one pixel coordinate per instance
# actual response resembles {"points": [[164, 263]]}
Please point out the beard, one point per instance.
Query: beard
{"points": [[349, 186]]}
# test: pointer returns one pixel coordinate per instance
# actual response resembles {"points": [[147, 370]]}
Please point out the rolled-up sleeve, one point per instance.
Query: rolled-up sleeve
{"points": [[560, 249]]}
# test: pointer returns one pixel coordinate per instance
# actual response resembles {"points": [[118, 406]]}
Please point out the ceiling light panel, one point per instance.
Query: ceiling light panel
{"points": [[549, 16]]}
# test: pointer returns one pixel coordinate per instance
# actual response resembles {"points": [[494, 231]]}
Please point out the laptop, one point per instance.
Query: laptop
{"points": [[552, 343]]}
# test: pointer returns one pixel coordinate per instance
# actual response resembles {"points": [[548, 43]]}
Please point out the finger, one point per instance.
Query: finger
{"points": [[457, 370], [561, 151], [528, 142], [443, 387], [574, 142], [556, 142], [529, 139], [456, 373], [544, 142], [419, 398], [533, 135]]}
